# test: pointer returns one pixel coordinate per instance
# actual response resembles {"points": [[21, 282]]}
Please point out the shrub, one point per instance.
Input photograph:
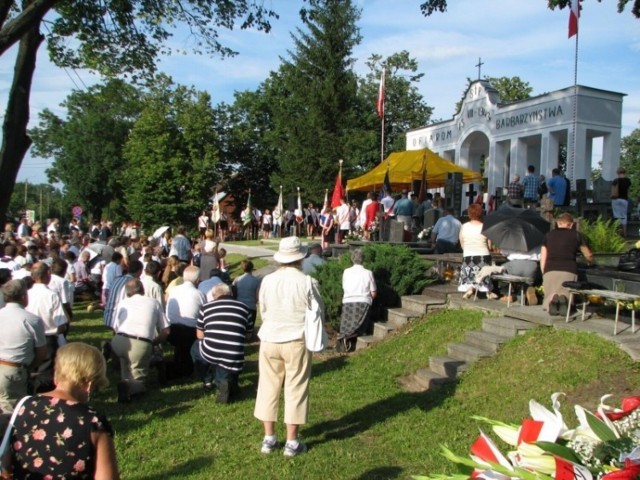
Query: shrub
{"points": [[603, 235], [397, 270]]}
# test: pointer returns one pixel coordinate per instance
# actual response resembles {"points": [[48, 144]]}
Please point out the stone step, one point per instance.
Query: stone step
{"points": [[382, 329], [365, 341], [447, 366], [466, 352], [506, 326], [420, 303], [431, 380], [440, 290], [400, 316], [531, 314], [486, 340]]}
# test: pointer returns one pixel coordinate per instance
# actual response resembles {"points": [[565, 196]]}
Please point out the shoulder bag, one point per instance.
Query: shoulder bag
{"points": [[614, 189], [315, 336], [7, 433]]}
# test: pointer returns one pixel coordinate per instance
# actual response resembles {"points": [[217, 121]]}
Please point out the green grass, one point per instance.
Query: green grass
{"points": [[234, 259], [362, 425]]}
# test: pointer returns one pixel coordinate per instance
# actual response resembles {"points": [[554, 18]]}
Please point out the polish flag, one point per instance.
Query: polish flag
{"points": [[484, 450], [574, 15], [381, 95], [566, 470]]}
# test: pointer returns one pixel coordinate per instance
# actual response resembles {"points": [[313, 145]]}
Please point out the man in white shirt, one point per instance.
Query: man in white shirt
{"points": [[140, 323], [342, 214], [183, 305], [46, 304], [149, 279], [22, 344]]}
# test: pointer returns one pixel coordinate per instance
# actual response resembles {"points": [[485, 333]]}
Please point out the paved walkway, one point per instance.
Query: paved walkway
{"points": [[602, 326]]}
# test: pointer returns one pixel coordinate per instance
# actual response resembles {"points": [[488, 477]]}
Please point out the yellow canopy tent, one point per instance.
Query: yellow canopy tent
{"points": [[405, 167]]}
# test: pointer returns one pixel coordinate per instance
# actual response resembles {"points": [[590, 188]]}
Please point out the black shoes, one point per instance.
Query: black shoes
{"points": [[558, 306], [124, 396], [223, 392]]}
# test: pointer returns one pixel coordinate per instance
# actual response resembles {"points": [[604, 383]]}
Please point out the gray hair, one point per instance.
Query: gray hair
{"points": [[134, 287], [14, 290], [191, 274], [357, 256], [219, 290]]}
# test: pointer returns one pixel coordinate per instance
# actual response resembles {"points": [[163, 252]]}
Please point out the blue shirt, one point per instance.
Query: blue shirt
{"points": [[557, 189], [530, 184], [404, 206], [447, 228]]}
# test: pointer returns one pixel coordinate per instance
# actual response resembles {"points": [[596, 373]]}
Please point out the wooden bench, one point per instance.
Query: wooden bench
{"points": [[608, 295], [512, 280]]}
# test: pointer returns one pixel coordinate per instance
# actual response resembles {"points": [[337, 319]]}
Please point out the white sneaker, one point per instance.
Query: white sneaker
{"points": [[268, 446], [290, 451]]}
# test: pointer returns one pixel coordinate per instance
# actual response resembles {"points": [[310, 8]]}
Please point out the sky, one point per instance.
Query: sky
{"points": [[514, 38]]}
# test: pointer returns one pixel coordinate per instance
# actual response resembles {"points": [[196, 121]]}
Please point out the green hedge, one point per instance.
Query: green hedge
{"points": [[397, 269]]}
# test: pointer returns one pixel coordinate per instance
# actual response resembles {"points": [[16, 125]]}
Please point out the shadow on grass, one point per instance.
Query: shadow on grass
{"points": [[198, 464], [363, 419], [381, 473]]}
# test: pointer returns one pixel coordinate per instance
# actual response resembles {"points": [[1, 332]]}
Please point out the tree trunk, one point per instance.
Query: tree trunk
{"points": [[15, 141]]}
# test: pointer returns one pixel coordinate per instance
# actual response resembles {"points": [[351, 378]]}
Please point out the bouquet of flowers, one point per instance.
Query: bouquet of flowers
{"points": [[605, 445], [425, 234]]}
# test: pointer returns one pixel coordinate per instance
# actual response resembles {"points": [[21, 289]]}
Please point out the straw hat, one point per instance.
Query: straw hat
{"points": [[290, 250]]}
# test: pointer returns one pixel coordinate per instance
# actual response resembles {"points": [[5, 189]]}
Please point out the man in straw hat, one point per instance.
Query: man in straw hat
{"points": [[284, 358]]}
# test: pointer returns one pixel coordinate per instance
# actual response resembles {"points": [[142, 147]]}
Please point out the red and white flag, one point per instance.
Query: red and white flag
{"points": [[381, 95], [574, 15]]}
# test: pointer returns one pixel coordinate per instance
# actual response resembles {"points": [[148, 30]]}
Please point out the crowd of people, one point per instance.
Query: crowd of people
{"points": [[151, 291]]}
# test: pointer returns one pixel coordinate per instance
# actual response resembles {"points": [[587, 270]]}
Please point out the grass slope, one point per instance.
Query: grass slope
{"points": [[362, 425]]}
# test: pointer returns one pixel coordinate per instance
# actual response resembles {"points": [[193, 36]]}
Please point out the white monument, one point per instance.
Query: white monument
{"points": [[501, 140]]}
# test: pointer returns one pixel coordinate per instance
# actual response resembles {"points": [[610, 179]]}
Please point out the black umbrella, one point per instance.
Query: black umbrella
{"points": [[515, 229]]}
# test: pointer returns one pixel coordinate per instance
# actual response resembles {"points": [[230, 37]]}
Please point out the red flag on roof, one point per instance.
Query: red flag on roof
{"points": [[574, 15]]}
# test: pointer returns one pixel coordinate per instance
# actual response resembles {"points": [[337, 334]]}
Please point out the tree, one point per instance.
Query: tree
{"points": [[171, 156], [44, 199], [246, 159], [431, 6], [630, 160], [87, 145], [112, 37], [314, 94], [404, 108]]}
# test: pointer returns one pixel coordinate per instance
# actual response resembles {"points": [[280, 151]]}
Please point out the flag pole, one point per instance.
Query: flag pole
{"points": [[574, 29], [381, 95]]}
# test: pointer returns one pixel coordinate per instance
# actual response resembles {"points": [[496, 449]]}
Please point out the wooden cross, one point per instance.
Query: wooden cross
{"points": [[479, 65]]}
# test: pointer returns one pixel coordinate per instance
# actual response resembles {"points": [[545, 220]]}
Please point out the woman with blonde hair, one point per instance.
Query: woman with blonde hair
{"points": [[208, 255], [57, 434]]}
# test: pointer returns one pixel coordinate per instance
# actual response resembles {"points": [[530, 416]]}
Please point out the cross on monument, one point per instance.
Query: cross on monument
{"points": [[479, 65], [471, 194]]}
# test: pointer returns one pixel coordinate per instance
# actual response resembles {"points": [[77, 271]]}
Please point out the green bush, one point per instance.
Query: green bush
{"points": [[397, 270], [603, 236]]}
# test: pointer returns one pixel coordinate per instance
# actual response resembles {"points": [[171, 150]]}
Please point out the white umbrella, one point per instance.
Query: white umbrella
{"points": [[160, 231]]}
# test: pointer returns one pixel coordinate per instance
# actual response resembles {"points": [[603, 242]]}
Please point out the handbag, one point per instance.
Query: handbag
{"points": [[7, 433], [315, 336], [614, 190]]}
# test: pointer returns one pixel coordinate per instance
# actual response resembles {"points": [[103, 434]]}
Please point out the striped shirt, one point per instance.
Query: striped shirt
{"points": [[224, 323], [117, 293]]}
